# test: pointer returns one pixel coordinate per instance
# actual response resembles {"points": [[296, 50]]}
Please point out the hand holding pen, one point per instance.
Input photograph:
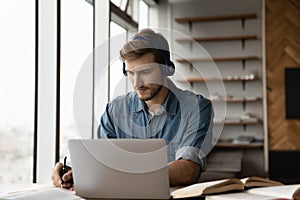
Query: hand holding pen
{"points": [[62, 175]]}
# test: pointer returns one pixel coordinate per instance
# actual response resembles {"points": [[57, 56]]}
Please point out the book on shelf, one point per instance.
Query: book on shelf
{"points": [[235, 98], [248, 117], [230, 142], [232, 119], [221, 186], [262, 193], [254, 98], [225, 161], [243, 139]]}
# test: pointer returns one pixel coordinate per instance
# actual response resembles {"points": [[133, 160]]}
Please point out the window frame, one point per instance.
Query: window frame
{"points": [[45, 141], [47, 104]]}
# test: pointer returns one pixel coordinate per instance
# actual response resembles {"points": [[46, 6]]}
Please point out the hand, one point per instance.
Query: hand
{"points": [[183, 172], [66, 181]]}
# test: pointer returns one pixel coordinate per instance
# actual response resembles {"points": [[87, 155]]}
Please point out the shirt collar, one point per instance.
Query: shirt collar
{"points": [[138, 105], [170, 103]]}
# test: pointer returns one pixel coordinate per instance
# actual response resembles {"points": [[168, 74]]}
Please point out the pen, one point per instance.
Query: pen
{"points": [[64, 169]]}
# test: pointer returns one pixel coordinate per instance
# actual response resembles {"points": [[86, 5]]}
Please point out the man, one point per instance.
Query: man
{"points": [[157, 109]]}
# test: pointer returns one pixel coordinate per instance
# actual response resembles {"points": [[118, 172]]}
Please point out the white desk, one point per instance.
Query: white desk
{"points": [[49, 192]]}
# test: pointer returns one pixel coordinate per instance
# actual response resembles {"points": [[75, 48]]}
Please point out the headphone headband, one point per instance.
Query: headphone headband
{"points": [[139, 37]]}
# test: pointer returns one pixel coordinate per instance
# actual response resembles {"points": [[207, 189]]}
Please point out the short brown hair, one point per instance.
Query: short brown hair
{"points": [[146, 41]]}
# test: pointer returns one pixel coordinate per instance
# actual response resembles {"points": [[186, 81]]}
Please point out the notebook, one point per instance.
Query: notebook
{"points": [[120, 168]]}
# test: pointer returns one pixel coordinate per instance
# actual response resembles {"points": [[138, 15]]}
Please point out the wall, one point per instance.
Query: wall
{"points": [[282, 50]]}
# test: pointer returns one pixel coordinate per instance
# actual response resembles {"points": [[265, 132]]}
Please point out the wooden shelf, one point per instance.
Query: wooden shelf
{"points": [[220, 38], [237, 100], [243, 146], [238, 123], [220, 59], [199, 80], [215, 18]]}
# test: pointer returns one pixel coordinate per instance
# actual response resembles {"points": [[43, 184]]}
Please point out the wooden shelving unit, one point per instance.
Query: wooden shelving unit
{"points": [[245, 78]]}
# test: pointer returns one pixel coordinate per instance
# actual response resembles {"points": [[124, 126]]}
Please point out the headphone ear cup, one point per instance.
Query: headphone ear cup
{"points": [[124, 70], [169, 68]]}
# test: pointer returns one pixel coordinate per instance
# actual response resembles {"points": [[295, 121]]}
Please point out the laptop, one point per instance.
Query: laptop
{"points": [[120, 168]]}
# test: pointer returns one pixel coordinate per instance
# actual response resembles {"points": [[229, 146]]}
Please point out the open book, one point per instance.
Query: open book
{"points": [[262, 193], [221, 186]]}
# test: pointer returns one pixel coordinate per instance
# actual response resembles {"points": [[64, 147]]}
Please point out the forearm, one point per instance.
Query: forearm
{"points": [[183, 172]]}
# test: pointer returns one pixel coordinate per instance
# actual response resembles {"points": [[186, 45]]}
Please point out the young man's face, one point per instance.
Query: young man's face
{"points": [[145, 75]]}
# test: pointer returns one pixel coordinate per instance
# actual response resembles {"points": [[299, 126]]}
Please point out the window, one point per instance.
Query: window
{"points": [[17, 77], [143, 14], [118, 83], [118, 37], [17, 83], [120, 3], [76, 47]]}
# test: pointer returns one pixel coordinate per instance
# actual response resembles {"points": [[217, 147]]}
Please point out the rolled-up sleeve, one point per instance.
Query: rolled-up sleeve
{"points": [[196, 141]]}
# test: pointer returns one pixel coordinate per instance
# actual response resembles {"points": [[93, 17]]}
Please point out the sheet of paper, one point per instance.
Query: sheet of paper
{"points": [[238, 196], [10, 189], [36, 192], [285, 191]]}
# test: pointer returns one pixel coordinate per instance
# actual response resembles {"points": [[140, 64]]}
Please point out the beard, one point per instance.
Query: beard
{"points": [[146, 93]]}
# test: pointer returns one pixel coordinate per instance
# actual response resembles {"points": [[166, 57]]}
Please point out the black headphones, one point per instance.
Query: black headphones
{"points": [[168, 68]]}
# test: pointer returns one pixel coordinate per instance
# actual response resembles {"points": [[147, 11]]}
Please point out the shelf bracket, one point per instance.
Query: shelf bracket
{"points": [[191, 67], [190, 26], [244, 127], [192, 84], [243, 23], [244, 84], [243, 44], [191, 46], [244, 64]]}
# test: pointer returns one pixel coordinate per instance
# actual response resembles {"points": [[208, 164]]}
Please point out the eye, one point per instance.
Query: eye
{"points": [[145, 72]]}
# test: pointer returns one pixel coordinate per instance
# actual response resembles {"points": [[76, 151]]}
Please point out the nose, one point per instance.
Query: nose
{"points": [[137, 80]]}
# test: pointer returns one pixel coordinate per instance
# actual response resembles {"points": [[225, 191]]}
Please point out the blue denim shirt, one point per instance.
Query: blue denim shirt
{"points": [[184, 121]]}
